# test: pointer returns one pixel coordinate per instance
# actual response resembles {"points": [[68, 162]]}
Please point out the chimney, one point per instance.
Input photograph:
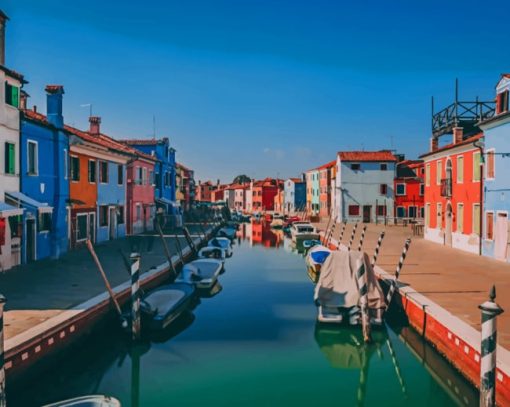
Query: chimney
{"points": [[433, 144], [457, 135], [54, 105], [3, 22], [95, 125], [23, 100]]}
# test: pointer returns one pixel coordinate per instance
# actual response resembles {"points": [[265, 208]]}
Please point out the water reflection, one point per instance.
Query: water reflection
{"points": [[260, 233]]}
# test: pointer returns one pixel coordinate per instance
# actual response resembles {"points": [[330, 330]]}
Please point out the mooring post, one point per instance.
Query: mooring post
{"points": [[362, 238], [330, 234], [352, 236], [377, 248], [189, 239], [393, 283], [361, 276], [396, 367], [3, 401], [490, 311], [363, 376], [342, 233], [135, 295]]}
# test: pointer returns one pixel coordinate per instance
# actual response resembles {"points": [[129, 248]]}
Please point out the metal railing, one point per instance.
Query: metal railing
{"points": [[461, 113]]}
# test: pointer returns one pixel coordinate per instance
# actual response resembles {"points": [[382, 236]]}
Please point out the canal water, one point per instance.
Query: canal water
{"points": [[255, 342]]}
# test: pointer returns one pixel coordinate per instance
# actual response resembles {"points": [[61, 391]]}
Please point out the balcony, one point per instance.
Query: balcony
{"points": [[446, 187]]}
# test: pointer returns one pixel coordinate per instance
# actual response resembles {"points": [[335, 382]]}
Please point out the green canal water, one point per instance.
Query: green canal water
{"points": [[256, 343]]}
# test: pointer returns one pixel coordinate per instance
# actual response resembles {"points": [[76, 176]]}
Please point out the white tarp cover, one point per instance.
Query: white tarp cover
{"points": [[338, 286]]}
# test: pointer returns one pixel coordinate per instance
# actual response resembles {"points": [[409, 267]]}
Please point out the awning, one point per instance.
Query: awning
{"points": [[27, 201], [8, 210]]}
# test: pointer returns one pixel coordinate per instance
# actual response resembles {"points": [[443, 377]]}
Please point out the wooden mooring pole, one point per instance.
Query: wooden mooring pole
{"points": [[393, 283], [377, 248], [361, 276], [352, 236], [135, 296], [360, 246]]}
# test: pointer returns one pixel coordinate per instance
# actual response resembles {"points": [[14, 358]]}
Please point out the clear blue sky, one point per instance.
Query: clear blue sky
{"points": [[264, 88]]}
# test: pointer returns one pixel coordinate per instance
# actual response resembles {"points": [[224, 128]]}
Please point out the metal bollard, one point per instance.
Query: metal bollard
{"points": [[3, 401], [377, 248], [490, 310], [362, 238], [135, 296], [393, 285], [352, 236]]}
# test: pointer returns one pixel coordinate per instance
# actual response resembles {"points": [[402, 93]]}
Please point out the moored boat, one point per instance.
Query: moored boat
{"points": [[213, 252], [314, 259], [276, 223], [203, 273], [303, 231], [223, 243], [228, 232]]}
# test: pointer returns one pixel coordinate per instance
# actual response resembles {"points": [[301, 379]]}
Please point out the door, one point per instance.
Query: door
{"points": [[448, 228], [30, 240], [113, 223], [145, 218], [501, 237], [92, 227], [367, 210]]}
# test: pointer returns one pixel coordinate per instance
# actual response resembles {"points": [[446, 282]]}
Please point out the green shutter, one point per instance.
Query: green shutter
{"points": [[10, 159], [15, 96]]}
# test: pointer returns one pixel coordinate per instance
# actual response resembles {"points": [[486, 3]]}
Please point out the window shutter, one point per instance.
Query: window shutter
{"points": [[12, 163], [15, 96]]}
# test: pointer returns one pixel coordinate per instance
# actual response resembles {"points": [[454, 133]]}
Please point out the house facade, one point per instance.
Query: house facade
{"points": [[409, 189], [325, 173], [313, 191], [188, 186], [204, 191], [294, 195], [364, 185], [44, 180], [496, 205]]}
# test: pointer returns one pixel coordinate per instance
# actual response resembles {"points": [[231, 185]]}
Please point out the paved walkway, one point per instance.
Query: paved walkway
{"points": [[38, 291], [456, 280]]}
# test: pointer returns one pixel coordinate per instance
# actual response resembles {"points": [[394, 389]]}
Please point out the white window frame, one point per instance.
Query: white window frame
{"points": [[405, 211], [439, 171], [415, 211], [474, 166], [460, 204], [427, 215], [79, 167], [422, 189], [474, 221], [493, 226], [86, 227], [88, 171], [439, 215], [457, 165], [427, 174], [396, 189], [36, 158], [490, 150]]}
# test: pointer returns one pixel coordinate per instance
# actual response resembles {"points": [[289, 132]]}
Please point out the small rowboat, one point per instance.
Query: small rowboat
{"points": [[88, 401], [228, 232], [223, 243], [203, 273], [213, 252]]}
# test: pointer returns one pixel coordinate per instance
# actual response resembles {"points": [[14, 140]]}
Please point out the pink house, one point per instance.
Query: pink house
{"points": [[140, 194]]}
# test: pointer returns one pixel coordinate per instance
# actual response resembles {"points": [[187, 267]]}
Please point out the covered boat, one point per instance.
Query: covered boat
{"points": [[315, 258], [337, 292], [213, 252], [88, 401], [202, 272], [163, 305], [223, 243]]}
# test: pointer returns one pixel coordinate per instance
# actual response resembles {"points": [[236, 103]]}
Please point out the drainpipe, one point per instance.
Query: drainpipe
{"points": [[478, 145]]}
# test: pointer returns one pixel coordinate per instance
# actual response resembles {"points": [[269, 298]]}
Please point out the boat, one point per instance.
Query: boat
{"points": [[203, 273], [223, 243], [303, 231], [227, 232], [213, 252], [163, 305], [337, 294], [307, 244], [314, 259], [276, 223], [87, 401]]}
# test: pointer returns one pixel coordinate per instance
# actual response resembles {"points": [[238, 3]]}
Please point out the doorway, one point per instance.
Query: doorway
{"points": [[367, 210], [501, 236], [448, 226], [30, 247], [92, 227], [113, 223]]}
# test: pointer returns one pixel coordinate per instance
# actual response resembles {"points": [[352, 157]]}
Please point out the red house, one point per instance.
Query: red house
{"points": [[263, 193], [409, 189], [325, 175]]}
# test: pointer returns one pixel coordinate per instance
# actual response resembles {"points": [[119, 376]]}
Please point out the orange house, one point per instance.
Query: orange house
{"points": [[325, 176]]}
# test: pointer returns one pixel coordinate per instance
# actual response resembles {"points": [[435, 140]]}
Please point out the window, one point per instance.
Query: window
{"points": [[427, 175], [353, 210], [120, 215], [44, 222], [381, 210], [355, 167], [66, 164], [120, 174], [439, 216], [502, 102], [103, 172], [400, 189], [491, 165], [75, 168], [15, 225], [476, 219], [476, 166], [439, 172], [422, 189], [460, 218], [10, 158], [460, 169], [412, 212], [92, 171], [384, 167], [11, 95], [103, 215], [401, 212], [427, 215], [151, 177], [383, 189], [422, 212], [489, 225], [33, 163], [144, 176], [81, 227]]}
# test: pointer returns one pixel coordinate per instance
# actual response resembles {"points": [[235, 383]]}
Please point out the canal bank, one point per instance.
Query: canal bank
{"points": [[53, 304], [439, 290], [256, 342]]}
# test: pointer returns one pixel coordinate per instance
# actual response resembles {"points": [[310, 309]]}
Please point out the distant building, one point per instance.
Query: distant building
{"points": [[204, 191], [187, 186], [312, 191], [263, 193], [364, 185], [409, 189], [325, 173], [294, 195]]}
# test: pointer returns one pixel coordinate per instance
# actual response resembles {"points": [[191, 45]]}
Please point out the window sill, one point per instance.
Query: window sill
{"points": [[32, 174]]}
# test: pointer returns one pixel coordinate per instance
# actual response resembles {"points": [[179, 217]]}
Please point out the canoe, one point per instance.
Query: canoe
{"points": [[203, 273], [163, 305], [88, 401]]}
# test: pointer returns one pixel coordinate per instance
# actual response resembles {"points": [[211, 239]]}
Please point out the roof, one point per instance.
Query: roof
{"points": [[144, 142], [450, 146], [327, 165], [183, 167], [14, 74], [296, 180], [383, 155], [2, 14]]}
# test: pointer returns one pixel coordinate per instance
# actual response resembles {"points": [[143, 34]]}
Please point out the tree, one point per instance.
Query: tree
{"points": [[241, 179]]}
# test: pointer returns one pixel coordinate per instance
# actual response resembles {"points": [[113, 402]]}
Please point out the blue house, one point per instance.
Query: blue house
{"points": [[496, 204], [44, 192], [164, 170], [294, 195]]}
